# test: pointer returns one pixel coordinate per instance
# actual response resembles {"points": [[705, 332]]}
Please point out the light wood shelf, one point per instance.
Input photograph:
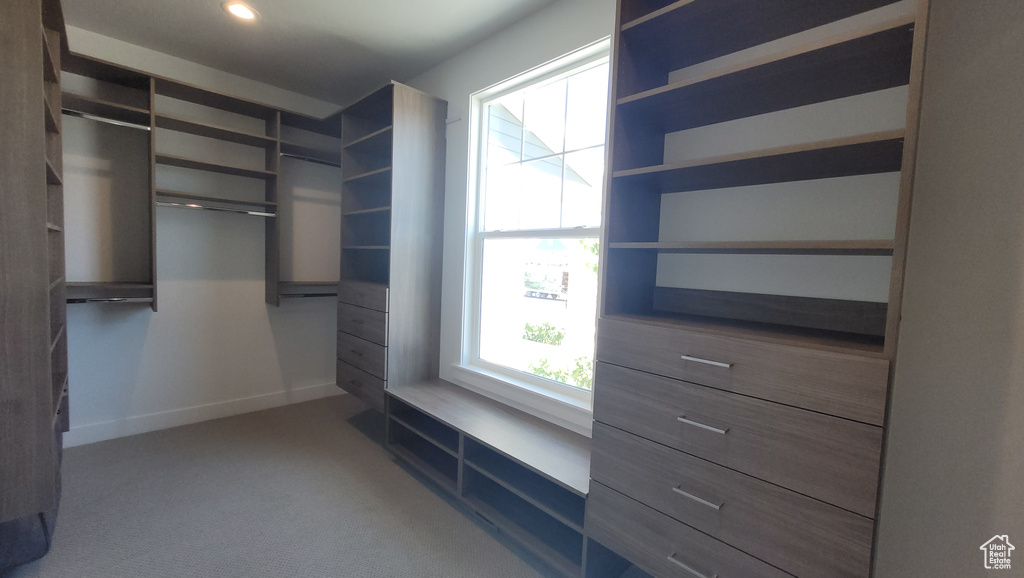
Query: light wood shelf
{"points": [[368, 175], [213, 131], [208, 199], [187, 163], [105, 109], [375, 210]]}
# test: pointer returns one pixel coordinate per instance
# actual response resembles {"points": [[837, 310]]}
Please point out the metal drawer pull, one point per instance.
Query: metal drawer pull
{"points": [[706, 361], [717, 430], [679, 491], [672, 558]]}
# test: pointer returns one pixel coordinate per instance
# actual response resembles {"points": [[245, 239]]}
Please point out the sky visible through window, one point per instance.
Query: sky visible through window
{"points": [[543, 170]]}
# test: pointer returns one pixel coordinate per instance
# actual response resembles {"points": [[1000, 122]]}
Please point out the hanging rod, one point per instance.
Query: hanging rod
{"points": [[103, 119], [112, 300], [291, 295], [222, 209], [312, 160]]}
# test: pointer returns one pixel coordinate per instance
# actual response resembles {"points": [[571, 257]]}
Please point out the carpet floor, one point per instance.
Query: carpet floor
{"points": [[295, 491]]}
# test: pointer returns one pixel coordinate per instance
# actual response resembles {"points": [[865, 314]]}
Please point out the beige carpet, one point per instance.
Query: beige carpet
{"points": [[295, 491]]}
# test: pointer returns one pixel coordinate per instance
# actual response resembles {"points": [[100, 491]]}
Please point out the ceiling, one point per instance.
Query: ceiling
{"points": [[334, 50]]}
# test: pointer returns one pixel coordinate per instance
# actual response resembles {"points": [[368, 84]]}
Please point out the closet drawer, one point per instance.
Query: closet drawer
{"points": [[369, 295], [361, 384], [796, 533], [369, 357], [366, 323], [850, 386], [832, 459], [662, 546]]}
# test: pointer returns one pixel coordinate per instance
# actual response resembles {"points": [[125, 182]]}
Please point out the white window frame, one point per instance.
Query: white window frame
{"points": [[561, 403]]}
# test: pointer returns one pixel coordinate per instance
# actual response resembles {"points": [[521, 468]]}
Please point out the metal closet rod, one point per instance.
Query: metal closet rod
{"points": [[312, 160], [103, 119], [292, 295], [112, 300], [221, 209]]}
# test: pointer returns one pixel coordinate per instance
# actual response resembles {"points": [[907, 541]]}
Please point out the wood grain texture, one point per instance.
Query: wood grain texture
{"points": [[369, 295], [558, 454], [649, 538], [796, 533], [361, 384], [151, 86], [849, 386], [367, 356], [272, 228], [364, 323], [828, 458], [417, 221], [845, 316], [27, 450]]}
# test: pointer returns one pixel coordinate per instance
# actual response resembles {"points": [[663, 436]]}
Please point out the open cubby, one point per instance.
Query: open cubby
{"points": [[369, 116], [367, 194], [368, 265], [366, 229], [541, 492], [427, 427], [554, 541], [658, 37], [602, 562], [429, 459], [356, 161]]}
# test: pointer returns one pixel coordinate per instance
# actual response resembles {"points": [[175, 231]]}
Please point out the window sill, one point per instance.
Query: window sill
{"points": [[562, 410]]}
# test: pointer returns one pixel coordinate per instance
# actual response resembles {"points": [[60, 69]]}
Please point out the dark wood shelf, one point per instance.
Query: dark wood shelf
{"points": [[377, 143], [330, 126], [367, 248], [176, 161], [859, 62], [215, 132], [51, 73], [684, 33], [368, 175], [422, 433], [106, 72], [55, 283], [52, 126], [316, 155], [870, 247], [535, 495], [797, 337], [53, 228], [82, 292], [190, 93], [53, 176], [372, 211], [105, 109], [297, 289], [56, 338], [860, 155], [203, 198], [425, 456]]}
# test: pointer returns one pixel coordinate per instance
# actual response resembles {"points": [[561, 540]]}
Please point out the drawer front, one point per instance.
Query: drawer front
{"points": [[368, 324], [849, 386], [793, 532], [369, 295], [662, 546], [365, 355], [828, 458], [361, 384]]}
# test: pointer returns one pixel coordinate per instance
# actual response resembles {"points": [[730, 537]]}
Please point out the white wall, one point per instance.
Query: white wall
{"points": [[954, 471], [552, 32], [214, 348]]}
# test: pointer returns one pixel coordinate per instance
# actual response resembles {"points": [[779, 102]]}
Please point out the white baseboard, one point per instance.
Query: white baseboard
{"points": [[97, 432]]}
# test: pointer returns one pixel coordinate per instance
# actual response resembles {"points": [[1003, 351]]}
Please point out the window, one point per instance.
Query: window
{"points": [[534, 250]]}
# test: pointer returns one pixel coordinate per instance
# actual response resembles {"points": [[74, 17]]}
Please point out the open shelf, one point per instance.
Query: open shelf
{"points": [[872, 247], [73, 103], [106, 72], [553, 541], [96, 292], [53, 176], [51, 115], [53, 228], [675, 35], [214, 132], [856, 63], [190, 93], [880, 152], [176, 161], [298, 289], [366, 248], [374, 175], [429, 459], [368, 116], [425, 426], [377, 143], [310, 154], [51, 56], [554, 500], [207, 199], [330, 126], [367, 211]]}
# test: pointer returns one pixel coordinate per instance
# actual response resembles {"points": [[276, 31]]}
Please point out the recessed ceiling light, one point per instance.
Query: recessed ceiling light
{"points": [[241, 10]]}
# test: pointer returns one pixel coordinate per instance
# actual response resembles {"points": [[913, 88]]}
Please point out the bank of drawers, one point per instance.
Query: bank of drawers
{"points": [[759, 472], [362, 340]]}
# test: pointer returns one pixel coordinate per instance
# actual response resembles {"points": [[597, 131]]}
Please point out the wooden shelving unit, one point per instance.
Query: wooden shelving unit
{"points": [[392, 165], [804, 350], [134, 83]]}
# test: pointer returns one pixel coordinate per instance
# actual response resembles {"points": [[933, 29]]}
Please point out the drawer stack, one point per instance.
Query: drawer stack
{"points": [[363, 340], [725, 436]]}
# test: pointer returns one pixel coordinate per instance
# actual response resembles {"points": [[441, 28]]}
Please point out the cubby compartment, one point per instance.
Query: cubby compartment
{"points": [[602, 562], [555, 542], [367, 195], [366, 229], [367, 264], [428, 458], [368, 117], [556, 501], [425, 426]]}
